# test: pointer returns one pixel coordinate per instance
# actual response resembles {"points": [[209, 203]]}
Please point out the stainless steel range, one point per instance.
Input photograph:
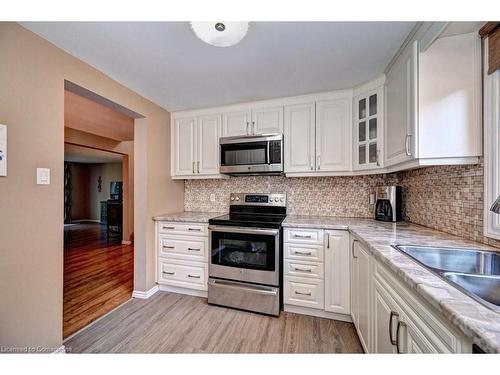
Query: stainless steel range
{"points": [[246, 254]]}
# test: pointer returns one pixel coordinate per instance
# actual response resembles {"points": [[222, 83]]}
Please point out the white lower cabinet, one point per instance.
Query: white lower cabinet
{"points": [[316, 272], [182, 257], [391, 318]]}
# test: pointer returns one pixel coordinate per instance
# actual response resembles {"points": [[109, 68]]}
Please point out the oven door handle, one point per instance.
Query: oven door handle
{"points": [[216, 228]]}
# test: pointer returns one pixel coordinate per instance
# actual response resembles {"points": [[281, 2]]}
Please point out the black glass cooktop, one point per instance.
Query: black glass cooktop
{"points": [[248, 220]]}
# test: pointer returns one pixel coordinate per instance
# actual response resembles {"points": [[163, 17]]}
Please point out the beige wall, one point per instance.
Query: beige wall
{"points": [[108, 172], [32, 74]]}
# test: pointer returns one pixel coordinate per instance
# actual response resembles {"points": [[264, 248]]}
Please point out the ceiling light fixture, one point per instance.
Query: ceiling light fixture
{"points": [[220, 34]]}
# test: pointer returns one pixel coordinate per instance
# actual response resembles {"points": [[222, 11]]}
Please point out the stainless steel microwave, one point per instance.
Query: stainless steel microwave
{"points": [[260, 154]]}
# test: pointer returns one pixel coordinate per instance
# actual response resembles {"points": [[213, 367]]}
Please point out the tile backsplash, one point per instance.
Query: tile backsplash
{"points": [[325, 196], [446, 198]]}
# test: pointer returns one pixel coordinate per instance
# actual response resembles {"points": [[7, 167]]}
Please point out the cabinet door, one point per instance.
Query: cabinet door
{"points": [[401, 106], [333, 135], [236, 123], [364, 285], [385, 319], [208, 145], [368, 135], [412, 341], [299, 140], [337, 275], [267, 120], [184, 146]]}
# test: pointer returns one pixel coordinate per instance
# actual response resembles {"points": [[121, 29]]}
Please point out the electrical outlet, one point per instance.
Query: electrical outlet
{"points": [[212, 197], [372, 199]]}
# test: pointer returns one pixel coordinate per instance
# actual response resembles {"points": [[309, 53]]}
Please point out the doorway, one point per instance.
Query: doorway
{"points": [[98, 211]]}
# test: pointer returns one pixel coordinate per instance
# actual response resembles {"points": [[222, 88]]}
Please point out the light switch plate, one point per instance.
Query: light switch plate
{"points": [[43, 176]]}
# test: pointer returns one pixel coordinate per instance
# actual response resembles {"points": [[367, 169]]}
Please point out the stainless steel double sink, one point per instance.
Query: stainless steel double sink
{"points": [[474, 272]]}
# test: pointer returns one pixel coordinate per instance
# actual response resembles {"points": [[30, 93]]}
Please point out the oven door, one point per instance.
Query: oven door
{"points": [[245, 254]]}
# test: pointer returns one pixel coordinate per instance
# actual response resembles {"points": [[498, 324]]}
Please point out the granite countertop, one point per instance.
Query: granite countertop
{"points": [[188, 216], [479, 323]]}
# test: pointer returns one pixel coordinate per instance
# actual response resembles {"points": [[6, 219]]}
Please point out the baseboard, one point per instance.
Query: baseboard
{"points": [[145, 295], [60, 350], [179, 290], [318, 313], [126, 242]]}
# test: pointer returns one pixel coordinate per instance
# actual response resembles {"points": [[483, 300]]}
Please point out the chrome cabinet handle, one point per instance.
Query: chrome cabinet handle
{"points": [[319, 162], [301, 236], [303, 294], [327, 240], [397, 335], [194, 276], [193, 249], [352, 249], [195, 229], [193, 168], [169, 228], [168, 247], [393, 314], [302, 269], [407, 145], [168, 273], [302, 252], [198, 167], [253, 127]]}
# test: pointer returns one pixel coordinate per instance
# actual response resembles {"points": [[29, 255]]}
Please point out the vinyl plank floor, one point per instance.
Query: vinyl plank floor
{"points": [[175, 323]]}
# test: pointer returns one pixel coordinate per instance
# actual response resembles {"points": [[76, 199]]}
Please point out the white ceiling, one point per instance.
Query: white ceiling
{"points": [[167, 64], [79, 154]]}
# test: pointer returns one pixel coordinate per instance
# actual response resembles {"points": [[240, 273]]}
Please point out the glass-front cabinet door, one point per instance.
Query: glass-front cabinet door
{"points": [[368, 131]]}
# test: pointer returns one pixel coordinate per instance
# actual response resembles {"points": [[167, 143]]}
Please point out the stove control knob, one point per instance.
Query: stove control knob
{"points": [[271, 200], [281, 200], [232, 198], [237, 198]]}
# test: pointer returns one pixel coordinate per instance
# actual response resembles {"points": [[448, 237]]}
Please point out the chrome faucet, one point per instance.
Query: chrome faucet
{"points": [[496, 206]]}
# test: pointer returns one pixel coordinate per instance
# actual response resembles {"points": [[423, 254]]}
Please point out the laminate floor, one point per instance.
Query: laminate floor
{"points": [[98, 275], [175, 323]]}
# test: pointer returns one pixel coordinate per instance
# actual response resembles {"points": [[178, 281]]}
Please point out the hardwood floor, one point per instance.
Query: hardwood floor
{"points": [[98, 276], [175, 323]]}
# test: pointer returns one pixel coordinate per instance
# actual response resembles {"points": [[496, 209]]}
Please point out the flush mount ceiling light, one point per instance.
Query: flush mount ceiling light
{"points": [[220, 34]]}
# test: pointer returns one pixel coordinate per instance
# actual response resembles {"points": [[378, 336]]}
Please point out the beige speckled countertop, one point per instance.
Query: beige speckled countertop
{"points": [[188, 216], [479, 323]]}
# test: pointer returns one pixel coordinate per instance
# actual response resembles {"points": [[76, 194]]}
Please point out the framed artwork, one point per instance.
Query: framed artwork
{"points": [[3, 150]]}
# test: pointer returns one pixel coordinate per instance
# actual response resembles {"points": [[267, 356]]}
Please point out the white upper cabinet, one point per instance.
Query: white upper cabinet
{"points": [[236, 123], [208, 132], [267, 120], [368, 135], [333, 136], [184, 147], [299, 140], [195, 147], [401, 102]]}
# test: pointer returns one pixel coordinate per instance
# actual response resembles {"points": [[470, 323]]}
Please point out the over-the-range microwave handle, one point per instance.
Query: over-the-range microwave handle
{"points": [[219, 228]]}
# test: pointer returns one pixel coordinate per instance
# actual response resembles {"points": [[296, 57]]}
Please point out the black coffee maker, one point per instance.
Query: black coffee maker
{"points": [[388, 203]]}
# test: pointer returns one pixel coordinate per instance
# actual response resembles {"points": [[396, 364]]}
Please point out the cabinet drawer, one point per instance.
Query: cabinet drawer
{"points": [[303, 269], [179, 247], [303, 252], [193, 229], [190, 275], [300, 291], [309, 236]]}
